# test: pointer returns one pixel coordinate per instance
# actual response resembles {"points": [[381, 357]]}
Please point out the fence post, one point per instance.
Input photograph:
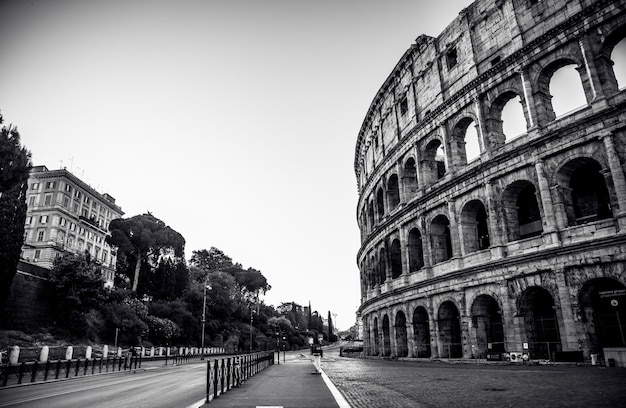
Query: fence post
{"points": [[34, 371], [215, 368], [14, 355], [46, 371], [43, 356], [20, 374], [208, 381]]}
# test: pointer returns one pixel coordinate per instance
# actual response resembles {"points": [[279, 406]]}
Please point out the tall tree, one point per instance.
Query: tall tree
{"points": [[14, 170], [206, 261], [145, 237], [78, 290]]}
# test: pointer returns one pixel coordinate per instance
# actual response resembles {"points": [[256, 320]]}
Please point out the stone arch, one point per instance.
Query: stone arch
{"points": [[487, 322], [415, 250], [440, 239], [402, 348], [602, 303], [382, 266], [584, 191], [449, 324], [380, 203], [370, 213], [464, 150], [543, 92], [376, 346], [611, 68], [421, 333], [537, 309], [474, 226], [495, 120], [386, 337], [409, 177], [393, 192], [433, 166], [395, 258], [521, 210]]}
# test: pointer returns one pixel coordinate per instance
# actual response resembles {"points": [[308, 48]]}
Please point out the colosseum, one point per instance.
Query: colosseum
{"points": [[492, 192]]}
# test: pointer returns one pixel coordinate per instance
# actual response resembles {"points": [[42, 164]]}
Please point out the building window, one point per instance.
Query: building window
{"points": [[86, 200], [35, 186], [75, 208], [72, 226], [451, 58], [77, 194], [68, 188], [47, 199], [404, 106], [50, 185], [31, 201], [29, 220], [40, 235], [63, 222], [37, 254], [66, 202], [43, 219]]}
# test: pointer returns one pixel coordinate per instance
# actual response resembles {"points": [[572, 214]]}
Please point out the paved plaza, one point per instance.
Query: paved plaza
{"points": [[391, 383]]}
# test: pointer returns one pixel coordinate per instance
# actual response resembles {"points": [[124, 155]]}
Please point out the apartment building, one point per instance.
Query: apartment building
{"points": [[65, 215]]}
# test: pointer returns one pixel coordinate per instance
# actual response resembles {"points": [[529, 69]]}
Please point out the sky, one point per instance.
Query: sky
{"points": [[234, 122]]}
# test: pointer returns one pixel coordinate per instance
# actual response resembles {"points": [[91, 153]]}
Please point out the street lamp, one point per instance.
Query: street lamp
{"points": [[206, 286]]}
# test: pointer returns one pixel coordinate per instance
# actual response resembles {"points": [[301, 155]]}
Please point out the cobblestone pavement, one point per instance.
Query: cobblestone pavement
{"points": [[392, 383]]}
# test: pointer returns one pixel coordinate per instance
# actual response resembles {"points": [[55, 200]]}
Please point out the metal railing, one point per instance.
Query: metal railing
{"points": [[226, 373]]}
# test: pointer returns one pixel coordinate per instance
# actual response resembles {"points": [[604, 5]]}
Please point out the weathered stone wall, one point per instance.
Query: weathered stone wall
{"points": [[512, 230]]}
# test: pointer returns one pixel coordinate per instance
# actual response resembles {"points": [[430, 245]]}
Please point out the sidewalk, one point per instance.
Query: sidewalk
{"points": [[289, 384]]}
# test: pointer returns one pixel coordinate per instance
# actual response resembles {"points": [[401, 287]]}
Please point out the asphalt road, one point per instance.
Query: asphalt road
{"points": [[152, 387]]}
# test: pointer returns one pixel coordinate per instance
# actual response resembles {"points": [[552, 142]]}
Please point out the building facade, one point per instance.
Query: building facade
{"points": [[481, 241], [66, 215]]}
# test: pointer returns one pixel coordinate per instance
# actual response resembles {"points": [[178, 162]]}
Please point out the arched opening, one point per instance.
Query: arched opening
{"points": [[373, 265], [386, 337], [618, 57], [393, 192], [566, 90], [409, 178], [449, 323], [380, 204], [441, 241], [416, 253], [376, 350], [523, 218], [487, 321], [370, 213], [421, 333], [396, 259], [536, 307], [474, 227], [590, 197], [433, 163], [602, 304], [382, 266], [465, 144], [402, 348], [513, 120]]}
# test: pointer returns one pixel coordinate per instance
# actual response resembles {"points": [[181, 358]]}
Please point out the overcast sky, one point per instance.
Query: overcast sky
{"points": [[234, 122]]}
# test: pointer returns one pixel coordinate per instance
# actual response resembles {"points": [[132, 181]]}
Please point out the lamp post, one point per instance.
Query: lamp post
{"points": [[206, 286]]}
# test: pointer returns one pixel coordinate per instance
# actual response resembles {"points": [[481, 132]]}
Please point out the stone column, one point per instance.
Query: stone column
{"points": [[550, 221], [619, 182], [455, 233], [88, 353], [69, 352], [567, 327], [497, 234], [14, 355], [105, 351]]}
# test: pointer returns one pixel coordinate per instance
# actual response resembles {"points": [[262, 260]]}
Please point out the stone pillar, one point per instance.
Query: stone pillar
{"points": [[567, 325], [410, 337], [590, 79], [43, 355], [528, 104], [69, 352], [480, 126], [88, 353], [105, 351], [151, 351], [550, 220], [454, 229], [119, 352], [497, 234], [619, 182]]}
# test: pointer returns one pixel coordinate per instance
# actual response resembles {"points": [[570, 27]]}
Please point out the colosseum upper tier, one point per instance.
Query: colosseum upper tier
{"points": [[492, 192]]}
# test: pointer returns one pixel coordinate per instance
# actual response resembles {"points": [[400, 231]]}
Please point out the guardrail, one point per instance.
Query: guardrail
{"points": [[32, 371], [226, 373]]}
